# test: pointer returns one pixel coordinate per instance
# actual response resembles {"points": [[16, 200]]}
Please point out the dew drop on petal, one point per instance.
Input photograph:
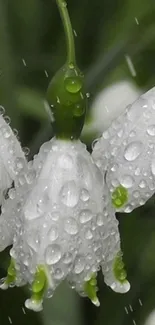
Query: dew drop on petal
{"points": [[151, 130], [6, 131], [54, 216], [99, 220], [84, 195], [12, 193], [133, 150], [53, 254], [53, 233], [85, 216], [58, 274], [71, 226], [142, 184], [127, 181], [67, 259], [128, 208], [136, 194], [73, 84], [69, 194], [79, 264], [79, 109], [26, 151], [88, 234]]}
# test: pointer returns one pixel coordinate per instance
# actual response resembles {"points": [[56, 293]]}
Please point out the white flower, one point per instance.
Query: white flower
{"points": [[63, 226], [109, 104], [126, 154]]}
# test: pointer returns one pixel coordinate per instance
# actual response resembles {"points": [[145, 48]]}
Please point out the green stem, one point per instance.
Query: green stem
{"points": [[68, 31]]}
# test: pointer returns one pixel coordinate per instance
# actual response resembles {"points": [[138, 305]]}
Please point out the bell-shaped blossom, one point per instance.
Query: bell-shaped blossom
{"points": [[63, 226], [126, 154]]}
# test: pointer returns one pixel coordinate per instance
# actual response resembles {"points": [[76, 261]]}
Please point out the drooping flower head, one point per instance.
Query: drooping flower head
{"points": [[62, 222]]}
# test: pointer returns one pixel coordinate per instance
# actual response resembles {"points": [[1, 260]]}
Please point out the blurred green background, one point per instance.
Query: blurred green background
{"points": [[32, 48]]}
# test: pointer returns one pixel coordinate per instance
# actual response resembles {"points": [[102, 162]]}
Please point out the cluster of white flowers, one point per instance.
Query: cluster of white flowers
{"points": [[59, 214]]}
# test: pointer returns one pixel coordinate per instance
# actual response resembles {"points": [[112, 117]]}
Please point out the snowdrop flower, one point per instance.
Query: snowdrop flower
{"points": [[126, 154], [64, 227], [109, 104], [63, 224]]}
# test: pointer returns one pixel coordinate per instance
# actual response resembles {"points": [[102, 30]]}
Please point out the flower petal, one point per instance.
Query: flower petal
{"points": [[125, 154]]}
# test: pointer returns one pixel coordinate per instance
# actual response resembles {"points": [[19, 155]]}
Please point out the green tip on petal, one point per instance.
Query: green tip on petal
{"points": [[119, 271], [11, 273], [39, 280], [39, 286], [90, 289], [119, 196]]}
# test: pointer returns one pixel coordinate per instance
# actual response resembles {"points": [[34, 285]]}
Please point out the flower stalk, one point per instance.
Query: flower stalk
{"points": [[62, 5]]}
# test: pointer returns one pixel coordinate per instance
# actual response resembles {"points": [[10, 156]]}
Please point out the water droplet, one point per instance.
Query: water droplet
{"points": [[114, 182], [6, 131], [85, 216], [58, 274], [53, 233], [73, 84], [99, 220], [132, 134], [151, 130], [19, 163], [69, 194], [105, 135], [53, 254], [65, 161], [67, 259], [26, 151], [88, 234], [34, 242], [30, 176], [71, 226], [12, 193], [136, 194], [120, 133], [15, 131], [142, 184], [133, 150], [79, 109], [127, 181], [128, 209], [54, 216], [79, 264], [137, 171], [7, 119], [84, 195]]}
